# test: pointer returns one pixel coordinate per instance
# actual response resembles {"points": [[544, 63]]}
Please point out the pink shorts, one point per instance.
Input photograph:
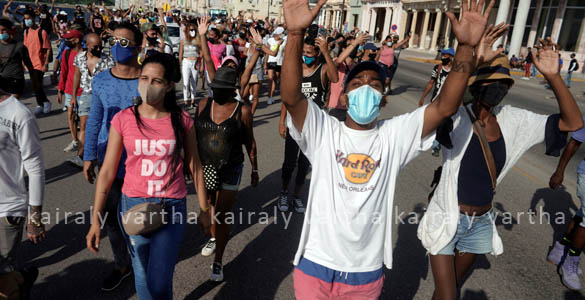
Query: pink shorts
{"points": [[313, 281]]}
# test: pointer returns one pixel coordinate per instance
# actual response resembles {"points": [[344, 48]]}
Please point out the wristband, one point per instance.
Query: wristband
{"points": [[297, 32], [204, 210]]}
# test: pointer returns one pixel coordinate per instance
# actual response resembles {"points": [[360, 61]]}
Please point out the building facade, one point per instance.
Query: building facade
{"points": [[430, 29]]}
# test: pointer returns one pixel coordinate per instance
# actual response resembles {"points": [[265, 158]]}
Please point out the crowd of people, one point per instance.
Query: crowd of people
{"points": [[116, 70]]}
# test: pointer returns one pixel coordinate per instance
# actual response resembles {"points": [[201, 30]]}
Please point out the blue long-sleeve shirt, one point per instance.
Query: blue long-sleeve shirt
{"points": [[110, 95]]}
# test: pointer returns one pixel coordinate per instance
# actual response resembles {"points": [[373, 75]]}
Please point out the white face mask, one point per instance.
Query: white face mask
{"points": [[150, 93], [192, 33]]}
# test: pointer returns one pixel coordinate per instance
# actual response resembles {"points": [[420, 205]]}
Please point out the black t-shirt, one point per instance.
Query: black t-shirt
{"points": [[79, 15], [12, 57], [529, 58], [439, 79], [45, 22], [313, 89], [98, 22]]}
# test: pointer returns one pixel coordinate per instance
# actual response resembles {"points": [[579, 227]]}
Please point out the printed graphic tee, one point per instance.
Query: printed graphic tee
{"points": [[150, 152], [348, 222]]}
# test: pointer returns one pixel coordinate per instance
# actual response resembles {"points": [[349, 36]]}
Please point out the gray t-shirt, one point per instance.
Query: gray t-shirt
{"points": [[12, 57]]}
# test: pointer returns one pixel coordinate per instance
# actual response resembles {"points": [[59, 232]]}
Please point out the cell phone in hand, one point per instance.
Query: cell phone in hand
{"points": [[322, 32]]}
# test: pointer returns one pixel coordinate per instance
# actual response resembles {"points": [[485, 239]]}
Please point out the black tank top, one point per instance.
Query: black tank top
{"points": [[220, 145], [313, 89], [475, 184]]}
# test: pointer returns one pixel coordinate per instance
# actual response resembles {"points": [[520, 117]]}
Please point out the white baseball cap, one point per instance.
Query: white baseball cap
{"points": [[250, 21], [279, 30], [63, 13]]}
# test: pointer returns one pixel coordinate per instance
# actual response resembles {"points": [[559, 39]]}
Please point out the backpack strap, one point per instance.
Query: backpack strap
{"points": [[485, 147]]}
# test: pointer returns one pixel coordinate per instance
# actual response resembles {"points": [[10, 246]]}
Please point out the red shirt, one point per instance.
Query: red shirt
{"points": [[68, 72]]}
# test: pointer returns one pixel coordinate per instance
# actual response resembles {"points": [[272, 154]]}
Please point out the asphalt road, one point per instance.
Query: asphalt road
{"points": [[258, 260]]}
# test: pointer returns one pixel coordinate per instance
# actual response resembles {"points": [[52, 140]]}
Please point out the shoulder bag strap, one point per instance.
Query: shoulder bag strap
{"points": [[485, 147]]}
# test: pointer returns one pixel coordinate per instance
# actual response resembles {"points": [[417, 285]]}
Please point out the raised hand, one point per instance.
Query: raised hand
{"points": [[202, 25], [360, 39], [471, 27], [298, 15], [547, 61], [484, 50], [322, 44], [256, 38]]}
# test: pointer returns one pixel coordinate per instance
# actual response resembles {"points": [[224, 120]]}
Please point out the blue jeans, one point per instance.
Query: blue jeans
{"points": [[533, 71], [474, 235], [154, 255], [568, 79]]}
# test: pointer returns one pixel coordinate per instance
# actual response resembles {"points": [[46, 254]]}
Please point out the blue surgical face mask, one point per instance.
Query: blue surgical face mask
{"points": [[28, 22], [364, 104], [4, 36], [308, 60], [121, 54], [389, 44]]}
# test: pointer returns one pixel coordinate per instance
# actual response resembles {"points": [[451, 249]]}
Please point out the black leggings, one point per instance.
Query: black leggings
{"points": [[37, 81], [292, 154]]}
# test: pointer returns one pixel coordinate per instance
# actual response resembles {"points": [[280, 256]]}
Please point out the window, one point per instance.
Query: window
{"points": [[572, 23]]}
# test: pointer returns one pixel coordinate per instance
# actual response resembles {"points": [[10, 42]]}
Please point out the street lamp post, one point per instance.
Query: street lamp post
{"points": [[268, 15]]}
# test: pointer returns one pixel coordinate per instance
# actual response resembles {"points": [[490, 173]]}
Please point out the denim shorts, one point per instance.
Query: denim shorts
{"points": [[581, 195], [231, 177], [83, 104], [474, 235], [68, 99]]}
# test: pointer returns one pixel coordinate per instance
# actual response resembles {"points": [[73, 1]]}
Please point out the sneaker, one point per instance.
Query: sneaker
{"points": [[72, 147], [76, 160], [569, 272], [216, 272], [115, 279], [46, 107], [283, 202], [38, 110], [299, 206], [270, 101], [209, 248], [524, 78], [435, 152], [556, 253]]}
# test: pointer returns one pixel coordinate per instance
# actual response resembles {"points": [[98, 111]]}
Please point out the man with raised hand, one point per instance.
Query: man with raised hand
{"points": [[346, 235]]}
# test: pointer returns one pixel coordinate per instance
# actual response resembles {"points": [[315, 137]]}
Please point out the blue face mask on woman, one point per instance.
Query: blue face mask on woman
{"points": [[121, 54], [28, 22], [308, 60], [4, 36], [364, 104]]}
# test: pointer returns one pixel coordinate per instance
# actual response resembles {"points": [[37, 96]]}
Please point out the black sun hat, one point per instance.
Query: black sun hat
{"points": [[225, 78]]}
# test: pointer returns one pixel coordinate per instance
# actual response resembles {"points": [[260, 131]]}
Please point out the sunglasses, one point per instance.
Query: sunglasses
{"points": [[123, 42]]}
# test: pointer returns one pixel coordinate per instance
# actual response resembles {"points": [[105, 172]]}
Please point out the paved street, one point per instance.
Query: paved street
{"points": [[258, 260]]}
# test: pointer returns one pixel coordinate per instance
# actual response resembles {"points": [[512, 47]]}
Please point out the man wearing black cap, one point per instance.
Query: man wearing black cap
{"points": [[347, 229], [316, 81]]}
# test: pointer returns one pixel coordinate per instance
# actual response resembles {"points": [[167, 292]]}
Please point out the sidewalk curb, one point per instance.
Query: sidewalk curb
{"points": [[433, 61]]}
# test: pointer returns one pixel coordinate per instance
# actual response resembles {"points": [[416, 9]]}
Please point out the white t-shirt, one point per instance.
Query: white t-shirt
{"points": [[274, 45], [20, 151], [229, 50], [281, 52], [348, 222]]}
